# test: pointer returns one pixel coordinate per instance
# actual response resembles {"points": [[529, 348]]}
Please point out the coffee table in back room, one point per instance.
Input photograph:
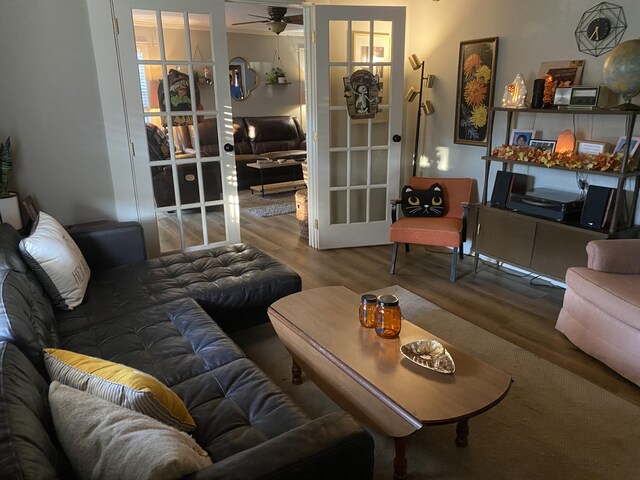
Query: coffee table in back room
{"points": [[368, 376]]}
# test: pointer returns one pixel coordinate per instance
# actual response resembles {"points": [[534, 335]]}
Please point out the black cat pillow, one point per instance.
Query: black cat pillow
{"points": [[423, 203]]}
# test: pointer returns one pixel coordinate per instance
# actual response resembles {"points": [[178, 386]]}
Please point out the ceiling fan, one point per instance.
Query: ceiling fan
{"points": [[277, 19]]}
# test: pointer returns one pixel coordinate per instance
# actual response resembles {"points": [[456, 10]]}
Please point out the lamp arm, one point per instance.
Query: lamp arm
{"points": [[415, 150]]}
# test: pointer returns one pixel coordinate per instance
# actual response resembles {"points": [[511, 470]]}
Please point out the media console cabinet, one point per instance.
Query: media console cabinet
{"points": [[540, 245]]}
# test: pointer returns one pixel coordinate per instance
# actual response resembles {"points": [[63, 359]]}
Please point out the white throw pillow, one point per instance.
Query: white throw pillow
{"points": [[103, 440], [57, 262]]}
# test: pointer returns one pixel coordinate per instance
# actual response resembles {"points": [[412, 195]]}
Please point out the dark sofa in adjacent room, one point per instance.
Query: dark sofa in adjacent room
{"points": [[255, 138], [165, 317]]}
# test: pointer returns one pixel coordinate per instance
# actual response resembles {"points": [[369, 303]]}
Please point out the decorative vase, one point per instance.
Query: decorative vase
{"points": [[282, 79], [10, 210]]}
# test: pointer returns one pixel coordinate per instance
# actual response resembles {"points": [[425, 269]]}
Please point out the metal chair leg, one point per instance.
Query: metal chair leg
{"points": [[461, 251], [454, 263], [407, 247], [394, 255]]}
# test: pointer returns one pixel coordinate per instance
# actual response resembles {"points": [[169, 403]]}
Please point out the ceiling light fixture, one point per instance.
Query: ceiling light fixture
{"points": [[277, 27]]}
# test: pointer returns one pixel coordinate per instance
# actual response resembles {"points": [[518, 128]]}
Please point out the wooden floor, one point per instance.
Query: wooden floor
{"points": [[506, 305]]}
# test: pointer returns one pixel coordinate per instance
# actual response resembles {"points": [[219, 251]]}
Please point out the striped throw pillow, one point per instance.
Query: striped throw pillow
{"points": [[118, 384]]}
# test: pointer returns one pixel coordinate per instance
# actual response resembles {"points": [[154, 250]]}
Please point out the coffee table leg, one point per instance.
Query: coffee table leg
{"points": [[296, 373], [400, 460], [462, 433]]}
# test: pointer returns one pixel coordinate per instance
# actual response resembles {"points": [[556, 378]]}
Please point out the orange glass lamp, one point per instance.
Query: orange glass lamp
{"points": [[566, 141]]}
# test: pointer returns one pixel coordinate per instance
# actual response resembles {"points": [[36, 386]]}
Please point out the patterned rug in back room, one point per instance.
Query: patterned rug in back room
{"points": [[267, 206]]}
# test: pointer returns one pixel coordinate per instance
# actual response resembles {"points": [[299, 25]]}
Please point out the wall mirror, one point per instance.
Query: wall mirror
{"points": [[242, 78]]}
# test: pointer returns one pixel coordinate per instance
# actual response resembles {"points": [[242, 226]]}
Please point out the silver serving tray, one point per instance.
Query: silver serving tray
{"points": [[430, 354]]}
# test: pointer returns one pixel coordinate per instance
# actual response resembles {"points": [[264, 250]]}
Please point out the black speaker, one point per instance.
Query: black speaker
{"points": [[598, 207], [505, 184], [538, 93]]}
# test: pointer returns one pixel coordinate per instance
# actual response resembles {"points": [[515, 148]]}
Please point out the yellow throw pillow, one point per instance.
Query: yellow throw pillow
{"points": [[118, 384]]}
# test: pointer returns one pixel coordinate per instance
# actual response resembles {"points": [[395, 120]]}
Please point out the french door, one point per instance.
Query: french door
{"points": [[357, 161], [174, 65]]}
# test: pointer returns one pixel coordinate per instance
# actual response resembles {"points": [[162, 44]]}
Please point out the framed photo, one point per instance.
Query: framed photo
{"points": [[546, 145], [589, 146], [622, 143], [522, 138], [475, 85], [563, 71], [361, 45]]}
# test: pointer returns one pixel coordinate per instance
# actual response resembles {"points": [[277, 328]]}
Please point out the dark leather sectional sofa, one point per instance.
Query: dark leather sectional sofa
{"points": [[165, 316], [270, 137]]}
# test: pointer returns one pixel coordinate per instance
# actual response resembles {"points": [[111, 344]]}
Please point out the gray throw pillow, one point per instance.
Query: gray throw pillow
{"points": [[105, 441]]}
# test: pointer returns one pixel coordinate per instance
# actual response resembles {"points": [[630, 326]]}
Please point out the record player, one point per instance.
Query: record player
{"points": [[548, 203]]}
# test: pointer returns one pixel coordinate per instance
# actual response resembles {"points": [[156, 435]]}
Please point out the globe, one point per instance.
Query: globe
{"points": [[621, 71]]}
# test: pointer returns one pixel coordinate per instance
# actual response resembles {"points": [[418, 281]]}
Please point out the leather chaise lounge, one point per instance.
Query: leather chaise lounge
{"points": [[165, 317]]}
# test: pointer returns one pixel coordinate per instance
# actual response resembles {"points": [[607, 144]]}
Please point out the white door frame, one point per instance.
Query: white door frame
{"points": [[132, 203], [369, 233]]}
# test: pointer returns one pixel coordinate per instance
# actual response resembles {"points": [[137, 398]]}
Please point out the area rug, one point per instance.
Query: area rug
{"points": [[267, 206], [551, 425]]}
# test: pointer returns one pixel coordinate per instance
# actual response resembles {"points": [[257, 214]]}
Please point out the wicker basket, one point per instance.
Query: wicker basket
{"points": [[302, 213]]}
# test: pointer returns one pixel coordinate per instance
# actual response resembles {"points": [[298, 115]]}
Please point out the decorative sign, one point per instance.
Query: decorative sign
{"points": [[362, 92]]}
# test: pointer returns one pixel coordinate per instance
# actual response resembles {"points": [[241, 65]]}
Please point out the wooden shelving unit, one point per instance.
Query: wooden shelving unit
{"points": [[541, 245]]}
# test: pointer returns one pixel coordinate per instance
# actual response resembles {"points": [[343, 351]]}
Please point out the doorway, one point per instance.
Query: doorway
{"points": [[272, 112]]}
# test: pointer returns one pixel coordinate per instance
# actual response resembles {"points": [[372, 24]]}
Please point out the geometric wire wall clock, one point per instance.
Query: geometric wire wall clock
{"points": [[600, 29]]}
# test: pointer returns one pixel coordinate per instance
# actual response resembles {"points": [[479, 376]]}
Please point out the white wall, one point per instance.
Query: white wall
{"points": [[258, 50], [51, 109]]}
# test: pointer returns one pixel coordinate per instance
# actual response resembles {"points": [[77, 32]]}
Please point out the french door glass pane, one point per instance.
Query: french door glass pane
{"points": [[338, 40], [378, 205], [338, 209], [338, 120], [358, 206], [336, 81], [212, 181], [168, 231], [338, 169], [175, 45], [200, 34], [192, 227], [215, 223], [359, 161], [379, 162], [145, 28]]}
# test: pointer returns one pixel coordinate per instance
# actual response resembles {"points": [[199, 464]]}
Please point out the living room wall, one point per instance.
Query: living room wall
{"points": [[51, 109], [258, 50]]}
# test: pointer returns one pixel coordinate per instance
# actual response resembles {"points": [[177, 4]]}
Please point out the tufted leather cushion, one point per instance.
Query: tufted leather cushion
{"points": [[234, 405], [235, 277], [28, 447]]}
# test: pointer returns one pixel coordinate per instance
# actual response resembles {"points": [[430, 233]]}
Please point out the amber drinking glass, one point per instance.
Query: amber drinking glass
{"points": [[388, 316], [368, 310]]}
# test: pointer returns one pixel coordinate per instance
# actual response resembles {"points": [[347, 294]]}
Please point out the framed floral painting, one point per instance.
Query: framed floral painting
{"points": [[476, 78]]}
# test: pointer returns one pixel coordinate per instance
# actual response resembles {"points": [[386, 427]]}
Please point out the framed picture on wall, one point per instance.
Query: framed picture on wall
{"points": [[475, 86]]}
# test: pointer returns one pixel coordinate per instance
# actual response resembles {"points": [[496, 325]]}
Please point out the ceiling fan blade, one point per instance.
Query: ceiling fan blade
{"points": [[258, 16], [255, 21], [294, 19]]}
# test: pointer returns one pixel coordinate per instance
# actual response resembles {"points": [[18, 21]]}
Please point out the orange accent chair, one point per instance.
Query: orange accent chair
{"points": [[449, 230]]}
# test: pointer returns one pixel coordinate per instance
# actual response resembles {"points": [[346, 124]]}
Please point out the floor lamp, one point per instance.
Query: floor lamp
{"points": [[425, 107]]}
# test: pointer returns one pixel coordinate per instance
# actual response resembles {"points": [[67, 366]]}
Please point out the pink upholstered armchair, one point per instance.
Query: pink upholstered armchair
{"points": [[601, 310], [449, 230]]}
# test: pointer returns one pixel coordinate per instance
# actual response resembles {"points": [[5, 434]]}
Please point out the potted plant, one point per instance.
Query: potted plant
{"points": [[9, 206], [276, 75]]}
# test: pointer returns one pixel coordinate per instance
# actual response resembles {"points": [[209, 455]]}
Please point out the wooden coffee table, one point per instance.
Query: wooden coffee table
{"points": [[279, 186], [369, 377]]}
